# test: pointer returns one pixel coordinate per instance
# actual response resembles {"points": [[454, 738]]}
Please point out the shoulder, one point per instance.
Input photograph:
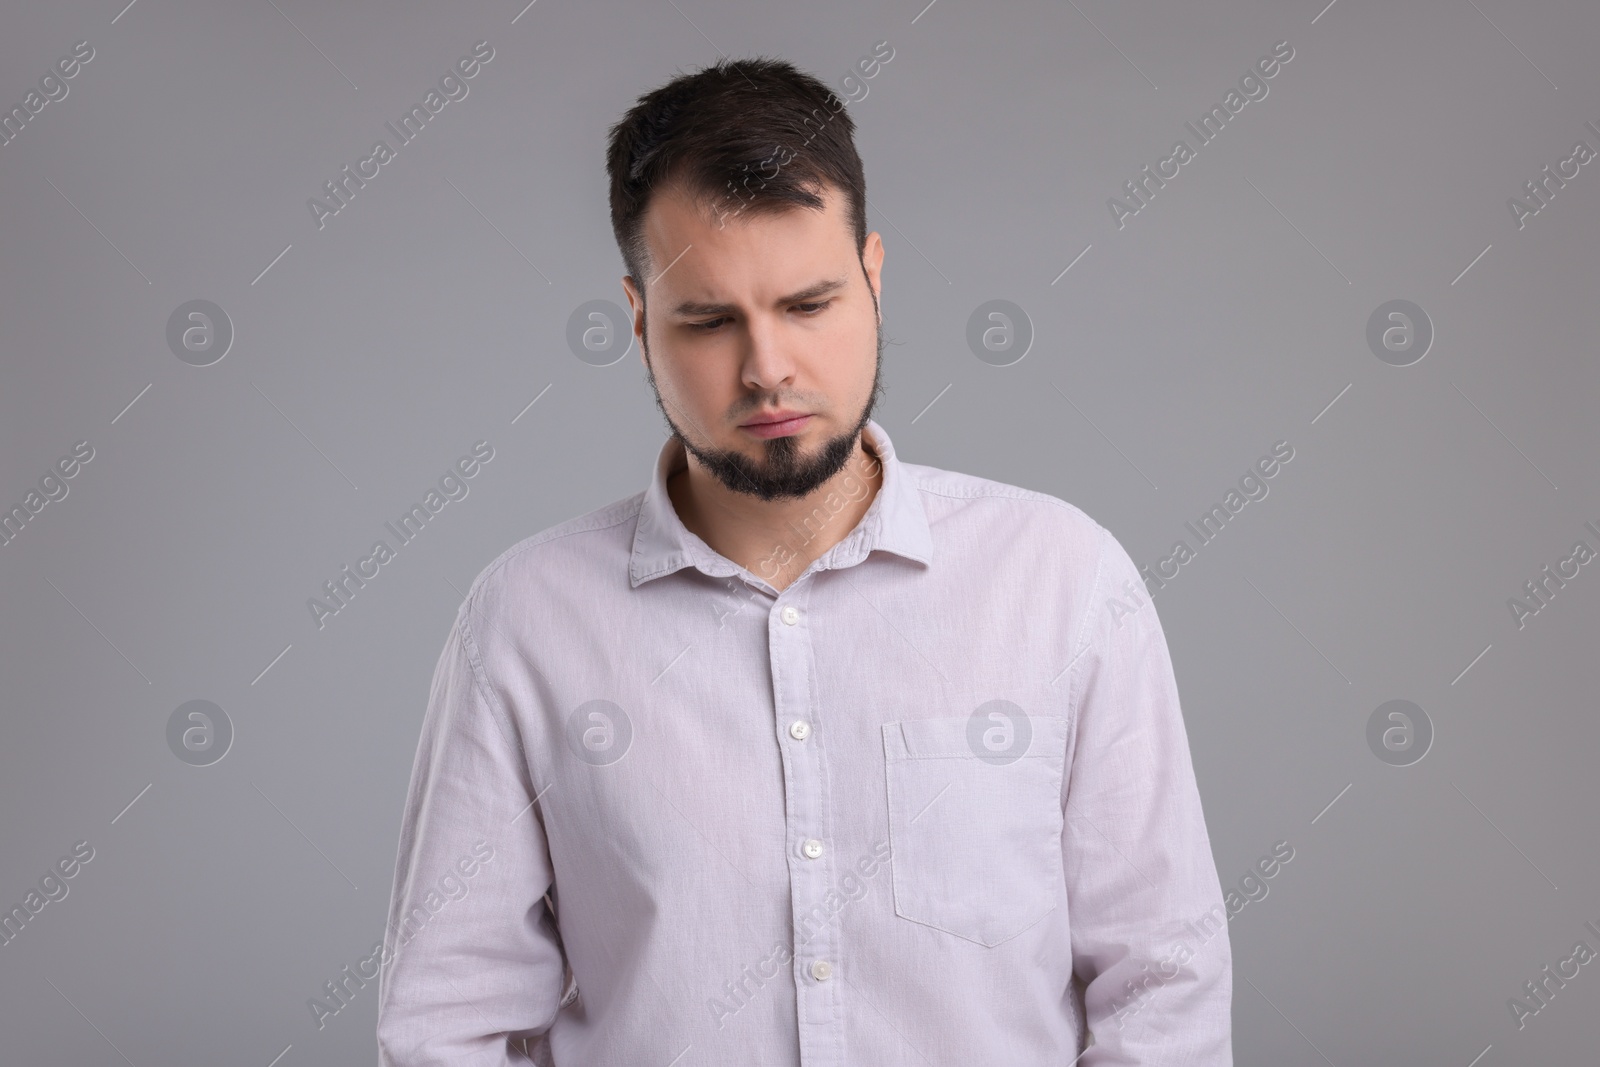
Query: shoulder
{"points": [[571, 554], [1020, 520]]}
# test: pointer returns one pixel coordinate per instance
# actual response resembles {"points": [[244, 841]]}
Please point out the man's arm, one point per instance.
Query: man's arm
{"points": [[471, 952], [1149, 929]]}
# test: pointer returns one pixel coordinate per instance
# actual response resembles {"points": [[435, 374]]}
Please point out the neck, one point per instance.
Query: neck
{"points": [[776, 540]]}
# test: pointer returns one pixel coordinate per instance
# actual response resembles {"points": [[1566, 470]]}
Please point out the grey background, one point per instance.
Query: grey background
{"points": [[1229, 314]]}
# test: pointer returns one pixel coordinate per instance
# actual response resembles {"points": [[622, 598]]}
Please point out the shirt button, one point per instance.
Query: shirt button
{"points": [[822, 970], [799, 729], [790, 614], [812, 849]]}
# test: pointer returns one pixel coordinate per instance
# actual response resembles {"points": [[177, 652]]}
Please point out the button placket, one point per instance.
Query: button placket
{"points": [[819, 1007]]}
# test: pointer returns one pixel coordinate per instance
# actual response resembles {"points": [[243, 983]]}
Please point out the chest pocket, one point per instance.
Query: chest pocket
{"points": [[976, 837]]}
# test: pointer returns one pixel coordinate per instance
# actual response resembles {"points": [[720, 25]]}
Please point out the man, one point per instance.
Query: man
{"points": [[804, 755]]}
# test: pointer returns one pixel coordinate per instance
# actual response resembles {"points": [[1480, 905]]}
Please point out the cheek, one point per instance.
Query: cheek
{"points": [[699, 379], [851, 347]]}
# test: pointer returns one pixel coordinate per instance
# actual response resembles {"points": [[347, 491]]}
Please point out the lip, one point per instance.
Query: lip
{"points": [[778, 424]]}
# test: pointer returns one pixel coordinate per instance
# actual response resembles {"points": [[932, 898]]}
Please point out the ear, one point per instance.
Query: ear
{"points": [[636, 310], [872, 262]]}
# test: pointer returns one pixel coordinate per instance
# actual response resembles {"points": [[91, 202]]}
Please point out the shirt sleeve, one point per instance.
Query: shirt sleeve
{"points": [[472, 959], [1149, 929]]}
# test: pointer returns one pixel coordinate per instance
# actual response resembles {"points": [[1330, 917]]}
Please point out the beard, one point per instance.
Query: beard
{"points": [[783, 471]]}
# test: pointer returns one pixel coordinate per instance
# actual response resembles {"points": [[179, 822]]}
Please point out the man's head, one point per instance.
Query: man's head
{"points": [[739, 205]]}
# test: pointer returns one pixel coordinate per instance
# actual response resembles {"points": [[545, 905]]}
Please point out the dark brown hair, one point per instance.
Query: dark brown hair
{"points": [[745, 135]]}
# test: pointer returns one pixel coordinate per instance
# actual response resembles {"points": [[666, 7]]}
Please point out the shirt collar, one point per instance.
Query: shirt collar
{"points": [[895, 521]]}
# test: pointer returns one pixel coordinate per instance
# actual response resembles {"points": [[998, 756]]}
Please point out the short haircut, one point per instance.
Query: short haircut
{"points": [[746, 135]]}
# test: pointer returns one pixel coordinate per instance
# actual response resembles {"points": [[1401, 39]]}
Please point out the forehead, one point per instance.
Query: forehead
{"points": [[695, 252]]}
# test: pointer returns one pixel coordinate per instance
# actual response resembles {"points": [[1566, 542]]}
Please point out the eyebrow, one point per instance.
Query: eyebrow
{"points": [[810, 292]]}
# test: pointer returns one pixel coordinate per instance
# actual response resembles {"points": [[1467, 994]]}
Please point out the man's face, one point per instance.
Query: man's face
{"points": [[756, 314]]}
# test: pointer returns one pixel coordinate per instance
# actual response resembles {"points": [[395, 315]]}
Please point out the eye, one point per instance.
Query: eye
{"points": [[808, 310]]}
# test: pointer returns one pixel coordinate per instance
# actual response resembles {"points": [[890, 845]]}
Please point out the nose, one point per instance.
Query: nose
{"points": [[768, 360]]}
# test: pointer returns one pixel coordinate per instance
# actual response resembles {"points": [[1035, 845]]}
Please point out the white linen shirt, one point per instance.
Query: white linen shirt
{"points": [[930, 804]]}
